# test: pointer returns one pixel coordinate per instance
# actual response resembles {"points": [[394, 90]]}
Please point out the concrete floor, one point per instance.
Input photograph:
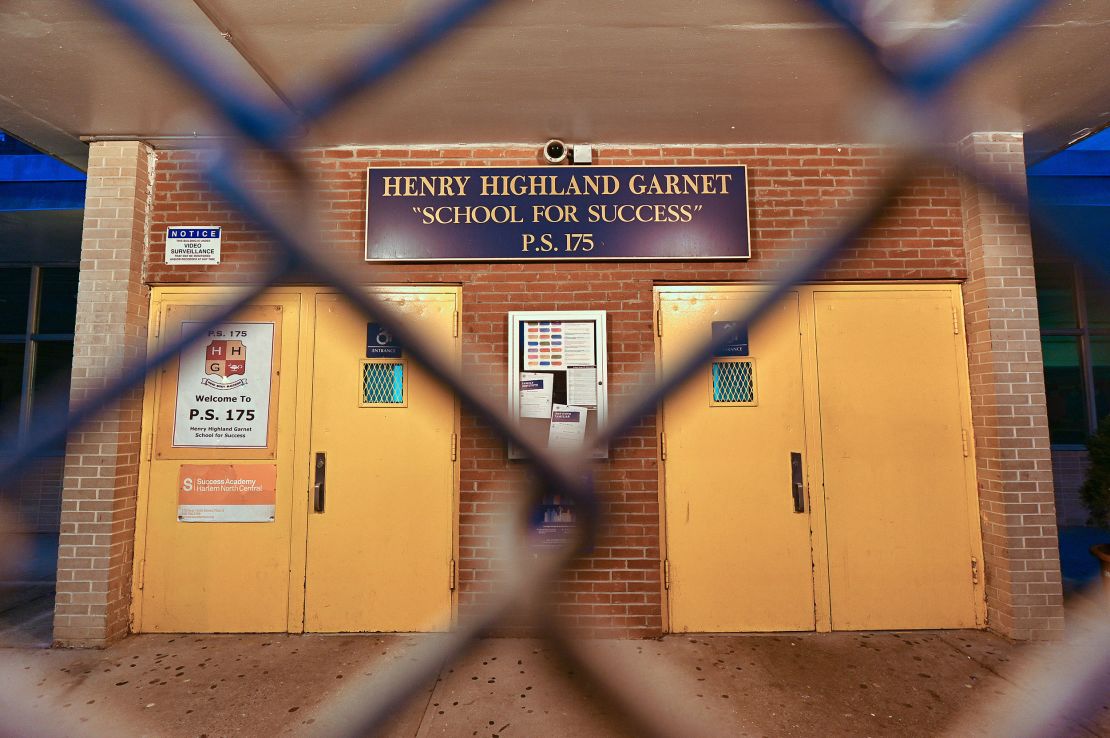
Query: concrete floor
{"points": [[843, 684], [880, 684]]}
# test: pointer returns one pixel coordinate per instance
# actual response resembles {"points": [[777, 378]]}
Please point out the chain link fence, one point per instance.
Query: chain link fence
{"points": [[920, 121]]}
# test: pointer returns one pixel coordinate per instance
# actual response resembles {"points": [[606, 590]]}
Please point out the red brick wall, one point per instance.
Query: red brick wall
{"points": [[796, 192]]}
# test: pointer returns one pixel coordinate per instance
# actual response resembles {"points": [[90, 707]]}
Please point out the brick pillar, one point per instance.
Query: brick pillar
{"points": [[1017, 508], [102, 458]]}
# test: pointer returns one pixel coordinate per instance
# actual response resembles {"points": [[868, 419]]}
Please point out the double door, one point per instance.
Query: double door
{"points": [[825, 479], [361, 537]]}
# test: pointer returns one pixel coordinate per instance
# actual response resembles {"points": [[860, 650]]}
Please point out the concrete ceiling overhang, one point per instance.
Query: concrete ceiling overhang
{"points": [[713, 71]]}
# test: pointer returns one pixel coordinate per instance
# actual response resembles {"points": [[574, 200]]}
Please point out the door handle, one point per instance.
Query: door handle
{"points": [[797, 485], [318, 488]]}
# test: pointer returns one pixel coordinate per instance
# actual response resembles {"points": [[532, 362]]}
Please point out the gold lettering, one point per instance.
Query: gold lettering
{"points": [[391, 186], [674, 184], [433, 186], [470, 214], [539, 185]]}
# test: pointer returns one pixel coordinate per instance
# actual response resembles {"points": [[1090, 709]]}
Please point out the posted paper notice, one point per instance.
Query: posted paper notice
{"points": [[582, 385], [535, 394], [578, 343], [568, 427], [543, 345]]}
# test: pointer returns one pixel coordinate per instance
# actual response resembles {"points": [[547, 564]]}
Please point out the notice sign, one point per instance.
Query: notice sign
{"points": [[193, 244], [227, 493], [223, 388]]}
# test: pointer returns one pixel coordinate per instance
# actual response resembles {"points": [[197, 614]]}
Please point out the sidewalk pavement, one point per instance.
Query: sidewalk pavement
{"points": [[841, 684]]}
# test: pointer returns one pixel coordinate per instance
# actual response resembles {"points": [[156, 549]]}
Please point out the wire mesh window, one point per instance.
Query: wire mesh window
{"points": [[383, 384], [733, 382]]}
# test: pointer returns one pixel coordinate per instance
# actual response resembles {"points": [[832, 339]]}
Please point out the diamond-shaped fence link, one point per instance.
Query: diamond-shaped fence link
{"points": [[917, 79]]}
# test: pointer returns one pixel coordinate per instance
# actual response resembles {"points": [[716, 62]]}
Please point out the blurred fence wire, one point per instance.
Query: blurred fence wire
{"points": [[916, 77]]}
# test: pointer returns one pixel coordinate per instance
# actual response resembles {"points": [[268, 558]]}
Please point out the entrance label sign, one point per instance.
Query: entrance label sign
{"points": [[193, 244], [737, 336], [223, 387], [557, 213], [227, 493], [380, 343]]}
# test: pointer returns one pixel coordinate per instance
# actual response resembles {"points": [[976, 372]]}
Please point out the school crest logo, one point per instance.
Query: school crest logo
{"points": [[225, 359]]}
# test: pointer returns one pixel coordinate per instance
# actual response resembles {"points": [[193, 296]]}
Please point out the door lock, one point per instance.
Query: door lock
{"points": [[797, 483], [318, 488]]}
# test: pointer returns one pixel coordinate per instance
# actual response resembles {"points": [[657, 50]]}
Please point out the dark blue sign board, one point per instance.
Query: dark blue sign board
{"points": [[736, 334], [380, 343], [557, 213]]}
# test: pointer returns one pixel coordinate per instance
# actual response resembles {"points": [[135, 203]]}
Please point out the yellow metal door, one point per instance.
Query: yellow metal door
{"points": [[896, 452], [380, 540], [738, 553], [199, 577]]}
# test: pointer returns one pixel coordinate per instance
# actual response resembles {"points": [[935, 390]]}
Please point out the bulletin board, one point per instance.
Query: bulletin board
{"points": [[558, 377]]}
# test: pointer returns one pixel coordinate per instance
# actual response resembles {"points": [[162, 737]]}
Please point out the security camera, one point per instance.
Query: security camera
{"points": [[555, 151]]}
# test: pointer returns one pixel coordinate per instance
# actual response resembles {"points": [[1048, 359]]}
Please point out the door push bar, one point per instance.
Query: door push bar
{"points": [[318, 489], [797, 485]]}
